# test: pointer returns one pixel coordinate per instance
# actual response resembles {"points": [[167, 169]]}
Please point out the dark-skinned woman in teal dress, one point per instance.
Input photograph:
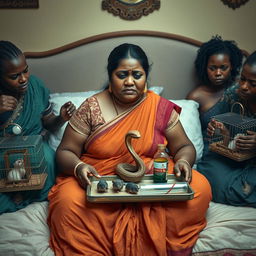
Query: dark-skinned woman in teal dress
{"points": [[24, 101]]}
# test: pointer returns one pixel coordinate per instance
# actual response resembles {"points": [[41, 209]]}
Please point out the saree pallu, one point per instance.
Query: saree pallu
{"points": [[79, 227], [28, 115]]}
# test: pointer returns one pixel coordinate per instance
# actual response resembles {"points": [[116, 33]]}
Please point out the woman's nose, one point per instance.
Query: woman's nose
{"points": [[218, 72], [22, 78], [129, 80], [244, 85]]}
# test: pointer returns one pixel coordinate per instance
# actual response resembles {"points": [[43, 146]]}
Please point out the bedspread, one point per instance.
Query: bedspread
{"points": [[25, 232]]}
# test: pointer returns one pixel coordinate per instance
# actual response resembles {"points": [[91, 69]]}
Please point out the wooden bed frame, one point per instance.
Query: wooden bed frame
{"points": [[81, 66]]}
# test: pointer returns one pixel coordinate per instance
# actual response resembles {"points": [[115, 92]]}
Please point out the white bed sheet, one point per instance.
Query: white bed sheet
{"points": [[228, 227], [26, 233]]}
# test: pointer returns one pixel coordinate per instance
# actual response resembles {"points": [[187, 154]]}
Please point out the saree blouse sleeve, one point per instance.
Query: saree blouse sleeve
{"points": [[88, 117], [174, 118]]}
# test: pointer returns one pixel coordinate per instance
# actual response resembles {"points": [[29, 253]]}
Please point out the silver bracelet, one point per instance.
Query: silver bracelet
{"points": [[183, 160], [75, 168]]}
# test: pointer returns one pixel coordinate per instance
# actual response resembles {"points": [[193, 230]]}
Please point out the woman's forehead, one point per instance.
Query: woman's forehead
{"points": [[249, 70], [15, 64], [219, 57], [129, 63]]}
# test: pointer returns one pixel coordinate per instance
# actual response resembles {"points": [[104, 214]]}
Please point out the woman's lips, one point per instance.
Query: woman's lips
{"points": [[23, 87], [129, 91], [219, 81], [242, 94]]}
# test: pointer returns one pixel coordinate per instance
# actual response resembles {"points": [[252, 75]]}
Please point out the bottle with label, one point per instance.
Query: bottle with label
{"points": [[161, 159]]}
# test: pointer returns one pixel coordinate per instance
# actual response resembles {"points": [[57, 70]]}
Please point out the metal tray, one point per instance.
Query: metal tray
{"points": [[148, 192]]}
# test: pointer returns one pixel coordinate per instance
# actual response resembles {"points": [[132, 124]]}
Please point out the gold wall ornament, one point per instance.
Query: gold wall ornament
{"points": [[19, 4], [130, 9], [234, 3]]}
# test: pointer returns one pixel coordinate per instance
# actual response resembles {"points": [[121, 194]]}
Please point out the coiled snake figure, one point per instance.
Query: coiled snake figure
{"points": [[129, 172]]}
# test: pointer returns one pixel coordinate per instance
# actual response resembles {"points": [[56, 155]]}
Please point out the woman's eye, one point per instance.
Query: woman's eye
{"points": [[137, 75], [253, 84], [121, 75], [26, 70], [13, 77], [211, 68], [224, 68]]}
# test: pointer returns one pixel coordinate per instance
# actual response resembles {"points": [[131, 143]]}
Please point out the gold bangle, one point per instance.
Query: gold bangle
{"points": [[75, 168], [183, 160]]}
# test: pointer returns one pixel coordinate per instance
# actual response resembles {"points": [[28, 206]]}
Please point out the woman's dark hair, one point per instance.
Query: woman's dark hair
{"points": [[216, 46], [8, 51], [125, 51], [251, 59]]}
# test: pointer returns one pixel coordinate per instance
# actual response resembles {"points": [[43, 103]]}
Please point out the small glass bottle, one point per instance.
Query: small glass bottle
{"points": [[161, 159]]}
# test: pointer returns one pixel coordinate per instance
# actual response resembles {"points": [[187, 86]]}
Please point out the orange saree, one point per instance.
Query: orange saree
{"points": [[79, 227]]}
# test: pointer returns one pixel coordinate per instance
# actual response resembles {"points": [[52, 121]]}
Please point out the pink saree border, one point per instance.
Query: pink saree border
{"points": [[163, 114], [109, 125]]}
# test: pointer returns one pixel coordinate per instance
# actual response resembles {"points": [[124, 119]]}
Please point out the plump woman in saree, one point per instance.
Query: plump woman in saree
{"points": [[93, 144], [24, 103]]}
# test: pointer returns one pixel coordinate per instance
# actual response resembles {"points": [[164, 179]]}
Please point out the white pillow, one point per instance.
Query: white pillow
{"points": [[191, 123], [156, 89], [58, 99]]}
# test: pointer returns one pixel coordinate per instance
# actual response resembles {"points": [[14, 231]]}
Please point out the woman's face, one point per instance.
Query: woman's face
{"points": [[14, 78], [218, 69], [128, 81], [247, 82]]}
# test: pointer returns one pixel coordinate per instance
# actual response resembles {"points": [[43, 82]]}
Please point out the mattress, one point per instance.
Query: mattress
{"points": [[229, 230]]}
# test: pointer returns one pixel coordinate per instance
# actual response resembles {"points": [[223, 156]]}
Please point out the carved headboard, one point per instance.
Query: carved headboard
{"points": [[81, 65]]}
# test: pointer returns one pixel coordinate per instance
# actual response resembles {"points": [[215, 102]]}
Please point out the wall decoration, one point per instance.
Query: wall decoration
{"points": [[19, 4], [234, 3], [130, 9]]}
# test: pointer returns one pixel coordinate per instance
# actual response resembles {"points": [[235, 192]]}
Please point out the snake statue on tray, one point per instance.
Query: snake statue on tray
{"points": [[129, 172]]}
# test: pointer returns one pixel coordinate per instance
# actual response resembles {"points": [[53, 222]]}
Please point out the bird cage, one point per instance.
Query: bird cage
{"points": [[224, 140], [22, 163]]}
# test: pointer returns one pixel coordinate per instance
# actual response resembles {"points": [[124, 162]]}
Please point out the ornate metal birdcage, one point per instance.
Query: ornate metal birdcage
{"points": [[233, 125], [22, 163]]}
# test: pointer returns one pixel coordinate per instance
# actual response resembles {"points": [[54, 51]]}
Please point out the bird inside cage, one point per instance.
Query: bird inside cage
{"points": [[229, 127], [18, 172], [22, 163]]}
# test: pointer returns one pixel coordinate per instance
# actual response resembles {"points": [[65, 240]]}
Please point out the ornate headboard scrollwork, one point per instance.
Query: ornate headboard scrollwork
{"points": [[234, 3], [130, 9]]}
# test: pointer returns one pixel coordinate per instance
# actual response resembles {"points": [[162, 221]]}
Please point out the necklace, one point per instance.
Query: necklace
{"points": [[114, 104], [122, 109]]}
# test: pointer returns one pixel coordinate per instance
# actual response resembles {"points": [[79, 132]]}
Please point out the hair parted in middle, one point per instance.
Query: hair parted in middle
{"points": [[125, 51]]}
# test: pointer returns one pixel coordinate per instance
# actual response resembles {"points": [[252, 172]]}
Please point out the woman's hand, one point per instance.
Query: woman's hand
{"points": [[213, 125], [246, 142], [83, 171], [211, 128], [67, 110], [182, 168], [7, 103]]}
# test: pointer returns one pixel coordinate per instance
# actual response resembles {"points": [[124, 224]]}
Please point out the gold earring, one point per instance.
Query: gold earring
{"points": [[145, 89]]}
